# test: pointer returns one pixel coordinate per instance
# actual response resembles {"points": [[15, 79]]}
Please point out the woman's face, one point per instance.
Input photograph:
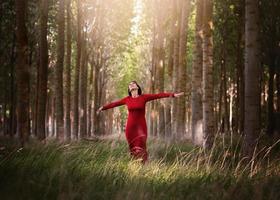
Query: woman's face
{"points": [[132, 86]]}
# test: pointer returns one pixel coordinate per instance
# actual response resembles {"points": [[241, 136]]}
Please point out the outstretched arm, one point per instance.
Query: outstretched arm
{"points": [[150, 97], [114, 104]]}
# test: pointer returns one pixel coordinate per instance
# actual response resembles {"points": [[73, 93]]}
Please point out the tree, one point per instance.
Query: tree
{"points": [[59, 72], [159, 64], [22, 72], [176, 36], [207, 76], [77, 73], [196, 99], [182, 71], [68, 73], [252, 77], [43, 71], [83, 90]]}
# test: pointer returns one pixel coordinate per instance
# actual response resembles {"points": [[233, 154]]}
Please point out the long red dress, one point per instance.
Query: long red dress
{"points": [[136, 128]]}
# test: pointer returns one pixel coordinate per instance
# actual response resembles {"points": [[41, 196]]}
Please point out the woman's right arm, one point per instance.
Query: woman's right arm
{"points": [[114, 104]]}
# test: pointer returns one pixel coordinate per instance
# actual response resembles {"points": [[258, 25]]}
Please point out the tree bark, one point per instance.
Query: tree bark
{"points": [[22, 72], [176, 34], [196, 99], [240, 70], [182, 76], [83, 90], [252, 78], [207, 76], [43, 71], [159, 65], [270, 100], [77, 72], [68, 73], [59, 72]]}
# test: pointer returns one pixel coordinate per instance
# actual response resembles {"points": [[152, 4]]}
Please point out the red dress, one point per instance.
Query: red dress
{"points": [[136, 128]]}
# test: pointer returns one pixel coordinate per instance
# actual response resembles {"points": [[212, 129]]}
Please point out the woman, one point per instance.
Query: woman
{"points": [[136, 128]]}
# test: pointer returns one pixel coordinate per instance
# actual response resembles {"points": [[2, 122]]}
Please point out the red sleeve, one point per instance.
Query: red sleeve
{"points": [[149, 97], [114, 104]]}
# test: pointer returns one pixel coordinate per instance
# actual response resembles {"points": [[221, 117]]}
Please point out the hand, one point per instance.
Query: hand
{"points": [[178, 94], [99, 110]]}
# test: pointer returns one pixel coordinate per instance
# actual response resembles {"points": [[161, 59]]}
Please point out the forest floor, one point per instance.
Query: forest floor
{"points": [[103, 169]]}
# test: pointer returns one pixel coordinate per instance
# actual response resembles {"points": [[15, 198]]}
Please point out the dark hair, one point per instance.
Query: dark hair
{"points": [[139, 88]]}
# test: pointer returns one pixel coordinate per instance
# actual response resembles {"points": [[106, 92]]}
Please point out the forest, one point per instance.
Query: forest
{"points": [[216, 133]]}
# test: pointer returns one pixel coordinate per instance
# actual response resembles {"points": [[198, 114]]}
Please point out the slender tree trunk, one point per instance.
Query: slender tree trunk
{"points": [[177, 24], [59, 72], [182, 76], [196, 100], [43, 71], [83, 90], [77, 72], [168, 125], [207, 76], [252, 78], [22, 72], [96, 101], [240, 70], [225, 115], [152, 116], [90, 100], [12, 125], [160, 65], [270, 103], [68, 74]]}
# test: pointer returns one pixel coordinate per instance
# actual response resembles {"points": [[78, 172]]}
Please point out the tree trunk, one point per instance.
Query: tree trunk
{"points": [[270, 101], [96, 101], [68, 74], [159, 65], [176, 34], [77, 72], [225, 115], [168, 83], [252, 78], [207, 76], [22, 72], [83, 91], [182, 76], [59, 73], [196, 100], [43, 72], [90, 100], [240, 71]]}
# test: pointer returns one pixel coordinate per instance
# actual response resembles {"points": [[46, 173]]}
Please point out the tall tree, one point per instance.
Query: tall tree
{"points": [[22, 72], [182, 64], [83, 90], [159, 58], [240, 68], [43, 71], [68, 73], [252, 77], [59, 72], [176, 33], [77, 73], [207, 76], [196, 99]]}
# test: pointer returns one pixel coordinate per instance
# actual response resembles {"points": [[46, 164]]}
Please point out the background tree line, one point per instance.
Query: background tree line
{"points": [[61, 60]]}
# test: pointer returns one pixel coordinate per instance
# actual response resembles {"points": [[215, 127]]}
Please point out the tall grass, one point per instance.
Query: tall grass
{"points": [[104, 170]]}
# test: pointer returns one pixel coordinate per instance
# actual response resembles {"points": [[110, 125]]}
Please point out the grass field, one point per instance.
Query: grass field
{"points": [[103, 170]]}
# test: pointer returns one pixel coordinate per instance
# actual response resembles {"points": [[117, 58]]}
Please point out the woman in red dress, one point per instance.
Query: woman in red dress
{"points": [[136, 128]]}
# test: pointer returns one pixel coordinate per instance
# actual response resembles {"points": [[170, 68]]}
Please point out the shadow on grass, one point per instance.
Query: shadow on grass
{"points": [[103, 170]]}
